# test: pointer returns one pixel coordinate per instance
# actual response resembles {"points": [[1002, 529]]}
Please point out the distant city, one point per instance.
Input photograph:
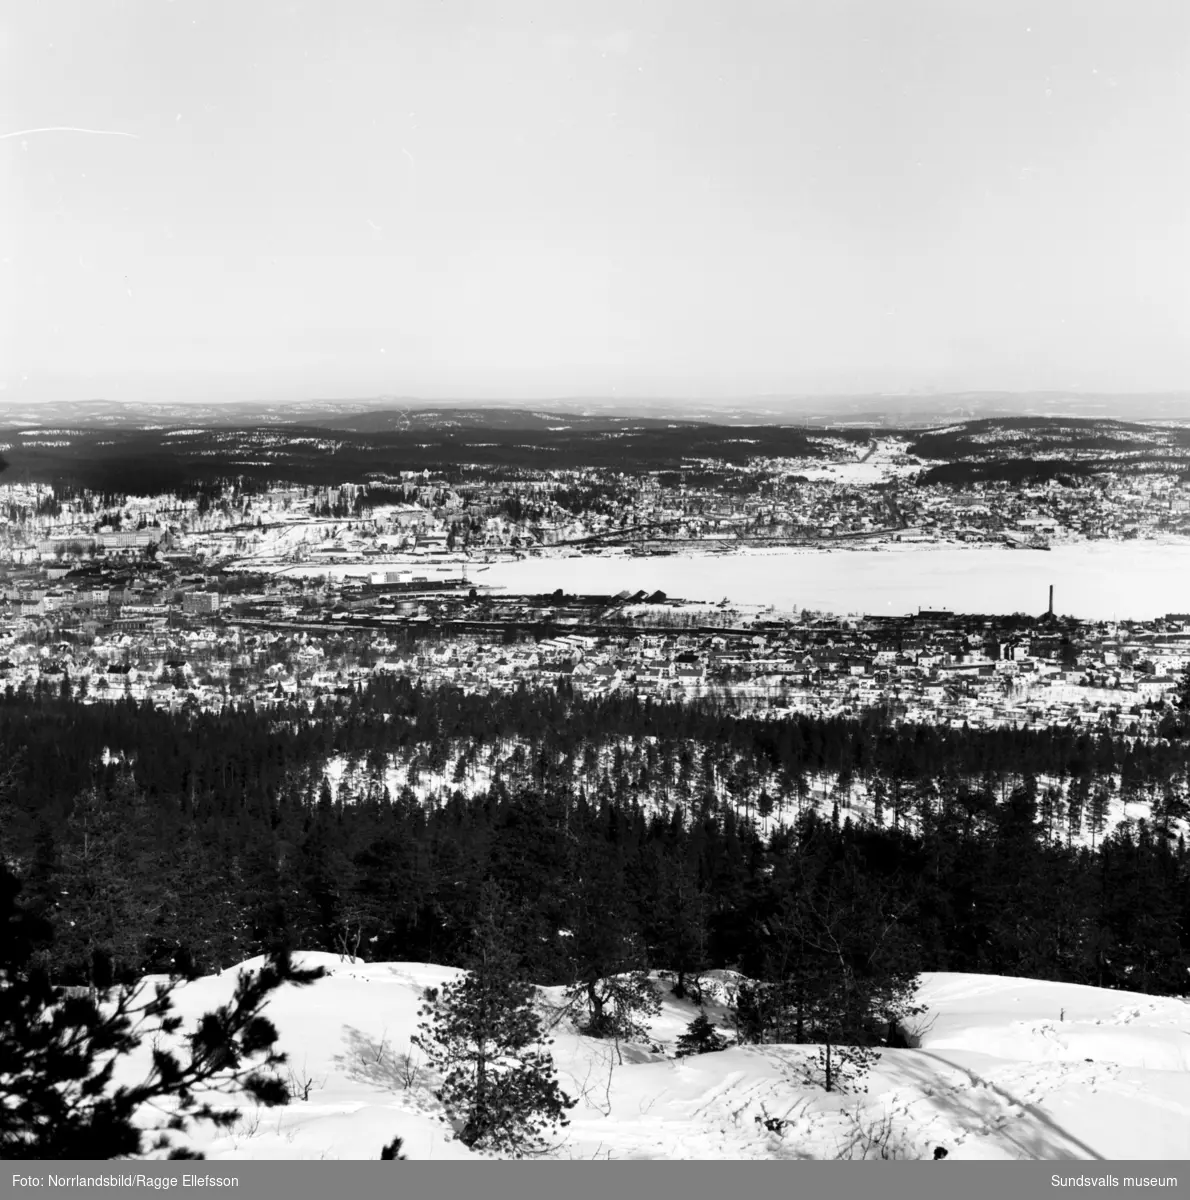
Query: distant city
{"points": [[373, 686]]}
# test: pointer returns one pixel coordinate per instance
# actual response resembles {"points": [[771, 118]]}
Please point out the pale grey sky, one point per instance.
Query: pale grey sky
{"points": [[633, 197]]}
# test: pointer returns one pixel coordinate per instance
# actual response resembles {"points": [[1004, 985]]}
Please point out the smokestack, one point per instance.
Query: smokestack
{"points": [[1051, 599]]}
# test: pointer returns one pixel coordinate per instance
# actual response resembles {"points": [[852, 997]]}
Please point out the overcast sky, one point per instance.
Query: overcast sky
{"points": [[450, 199]]}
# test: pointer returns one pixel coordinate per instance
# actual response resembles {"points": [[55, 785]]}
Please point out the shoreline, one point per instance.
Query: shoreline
{"points": [[1108, 580], [1101, 580]]}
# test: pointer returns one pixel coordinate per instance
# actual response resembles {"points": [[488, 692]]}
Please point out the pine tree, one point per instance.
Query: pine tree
{"points": [[609, 963], [499, 1083], [1051, 807], [105, 887], [753, 1010], [840, 961], [617, 1003], [837, 1011], [1182, 696], [59, 1053], [701, 1037], [842, 1068], [682, 912], [1099, 808]]}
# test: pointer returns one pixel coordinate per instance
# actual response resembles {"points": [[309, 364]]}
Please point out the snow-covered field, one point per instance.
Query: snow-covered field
{"points": [[1006, 1069], [888, 458], [1092, 580]]}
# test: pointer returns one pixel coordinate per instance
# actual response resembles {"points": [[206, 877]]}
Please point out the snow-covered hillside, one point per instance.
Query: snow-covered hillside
{"points": [[474, 767], [1006, 1069]]}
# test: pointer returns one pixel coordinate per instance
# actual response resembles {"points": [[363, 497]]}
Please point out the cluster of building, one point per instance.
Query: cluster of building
{"points": [[934, 668], [877, 494], [272, 594], [162, 631], [797, 504]]}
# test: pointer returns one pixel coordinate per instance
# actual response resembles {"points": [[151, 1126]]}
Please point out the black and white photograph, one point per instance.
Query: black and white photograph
{"points": [[595, 581]]}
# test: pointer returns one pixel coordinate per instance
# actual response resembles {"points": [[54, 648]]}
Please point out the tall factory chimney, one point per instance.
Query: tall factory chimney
{"points": [[1051, 613]]}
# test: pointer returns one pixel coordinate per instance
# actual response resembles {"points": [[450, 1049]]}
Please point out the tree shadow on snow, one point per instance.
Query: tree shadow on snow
{"points": [[986, 1110], [378, 1063]]}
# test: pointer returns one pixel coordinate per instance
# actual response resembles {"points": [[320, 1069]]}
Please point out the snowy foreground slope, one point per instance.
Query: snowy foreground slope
{"points": [[1007, 1069]]}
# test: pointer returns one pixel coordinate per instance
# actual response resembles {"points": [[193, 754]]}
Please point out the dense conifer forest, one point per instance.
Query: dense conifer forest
{"points": [[192, 841]]}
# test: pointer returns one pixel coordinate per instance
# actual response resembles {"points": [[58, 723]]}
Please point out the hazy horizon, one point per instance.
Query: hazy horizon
{"points": [[283, 201]]}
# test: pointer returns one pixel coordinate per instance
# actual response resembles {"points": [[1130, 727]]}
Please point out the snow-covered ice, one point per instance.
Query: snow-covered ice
{"points": [[1095, 581]]}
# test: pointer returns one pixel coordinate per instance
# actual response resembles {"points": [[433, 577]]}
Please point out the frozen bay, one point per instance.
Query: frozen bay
{"points": [[1092, 580]]}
